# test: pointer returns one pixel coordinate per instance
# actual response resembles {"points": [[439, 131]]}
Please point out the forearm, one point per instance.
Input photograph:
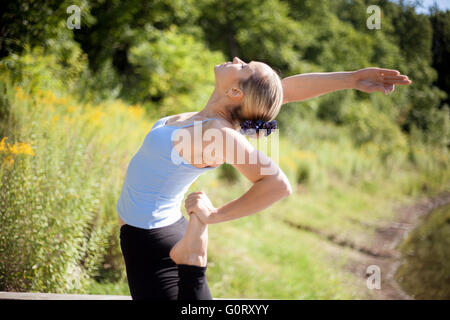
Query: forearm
{"points": [[260, 196], [309, 85]]}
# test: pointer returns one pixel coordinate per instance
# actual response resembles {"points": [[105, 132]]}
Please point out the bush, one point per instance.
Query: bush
{"points": [[368, 126], [228, 173], [170, 70], [58, 66], [59, 189]]}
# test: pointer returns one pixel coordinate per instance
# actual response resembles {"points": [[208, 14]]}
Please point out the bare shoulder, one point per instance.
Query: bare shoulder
{"points": [[240, 153], [232, 147], [229, 138], [218, 124], [223, 128], [179, 117]]}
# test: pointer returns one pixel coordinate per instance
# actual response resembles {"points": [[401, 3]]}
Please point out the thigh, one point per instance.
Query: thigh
{"points": [[150, 271]]}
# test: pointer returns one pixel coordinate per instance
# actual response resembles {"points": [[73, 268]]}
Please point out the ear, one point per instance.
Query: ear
{"points": [[234, 94]]}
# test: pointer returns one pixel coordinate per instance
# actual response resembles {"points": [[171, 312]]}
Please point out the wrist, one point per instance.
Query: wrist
{"points": [[351, 80], [214, 217]]}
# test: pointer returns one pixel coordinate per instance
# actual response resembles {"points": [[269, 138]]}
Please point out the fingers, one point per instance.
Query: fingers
{"points": [[389, 72], [386, 89], [194, 196], [393, 78], [401, 80], [192, 199], [393, 75], [389, 87], [390, 76], [195, 193], [190, 202], [397, 82], [191, 206]]}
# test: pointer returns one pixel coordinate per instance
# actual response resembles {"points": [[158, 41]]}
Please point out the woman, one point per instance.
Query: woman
{"points": [[165, 256]]}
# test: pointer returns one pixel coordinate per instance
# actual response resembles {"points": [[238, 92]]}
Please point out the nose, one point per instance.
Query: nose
{"points": [[237, 60]]}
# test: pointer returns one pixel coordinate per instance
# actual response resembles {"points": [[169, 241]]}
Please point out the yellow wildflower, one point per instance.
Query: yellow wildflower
{"points": [[20, 94], [71, 109], [95, 117], [214, 183], [50, 96], [8, 161], [291, 164], [304, 154], [26, 148], [54, 119], [21, 148], [136, 111], [3, 146], [62, 100]]}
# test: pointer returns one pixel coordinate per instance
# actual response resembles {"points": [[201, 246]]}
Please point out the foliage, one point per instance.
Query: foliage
{"points": [[440, 22], [31, 23], [58, 189], [368, 126], [170, 69]]}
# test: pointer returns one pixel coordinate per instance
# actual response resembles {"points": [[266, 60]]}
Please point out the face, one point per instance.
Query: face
{"points": [[228, 74]]}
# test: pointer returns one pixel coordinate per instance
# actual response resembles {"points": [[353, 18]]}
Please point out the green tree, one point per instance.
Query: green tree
{"points": [[259, 30], [32, 22], [440, 22]]}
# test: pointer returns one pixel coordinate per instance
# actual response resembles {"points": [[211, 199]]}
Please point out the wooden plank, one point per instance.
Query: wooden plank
{"points": [[56, 296], [60, 296]]}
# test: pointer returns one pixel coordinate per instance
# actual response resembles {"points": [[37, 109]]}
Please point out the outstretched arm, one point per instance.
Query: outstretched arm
{"points": [[309, 85]]}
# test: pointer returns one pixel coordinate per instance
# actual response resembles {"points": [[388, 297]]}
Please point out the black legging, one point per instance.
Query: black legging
{"points": [[151, 273]]}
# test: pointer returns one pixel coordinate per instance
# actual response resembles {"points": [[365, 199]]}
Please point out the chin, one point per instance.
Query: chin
{"points": [[217, 70]]}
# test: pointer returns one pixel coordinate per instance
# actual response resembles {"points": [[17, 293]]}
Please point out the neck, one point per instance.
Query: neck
{"points": [[217, 107]]}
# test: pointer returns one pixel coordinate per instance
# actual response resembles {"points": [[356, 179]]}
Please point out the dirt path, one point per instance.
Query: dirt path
{"points": [[384, 252]]}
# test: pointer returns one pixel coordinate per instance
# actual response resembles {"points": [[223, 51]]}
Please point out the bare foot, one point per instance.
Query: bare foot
{"points": [[192, 248]]}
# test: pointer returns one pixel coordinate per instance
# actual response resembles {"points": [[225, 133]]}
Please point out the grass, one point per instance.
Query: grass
{"points": [[117, 288]]}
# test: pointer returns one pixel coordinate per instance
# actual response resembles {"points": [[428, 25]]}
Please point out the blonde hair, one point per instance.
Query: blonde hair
{"points": [[263, 97]]}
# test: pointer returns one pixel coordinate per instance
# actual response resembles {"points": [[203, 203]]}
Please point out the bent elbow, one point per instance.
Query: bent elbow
{"points": [[284, 185], [285, 188], [279, 185], [288, 189]]}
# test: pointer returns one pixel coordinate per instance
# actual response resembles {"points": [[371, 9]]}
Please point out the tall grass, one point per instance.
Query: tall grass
{"points": [[58, 200]]}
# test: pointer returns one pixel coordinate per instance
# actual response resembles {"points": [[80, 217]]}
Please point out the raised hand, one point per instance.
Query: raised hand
{"points": [[376, 79]]}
